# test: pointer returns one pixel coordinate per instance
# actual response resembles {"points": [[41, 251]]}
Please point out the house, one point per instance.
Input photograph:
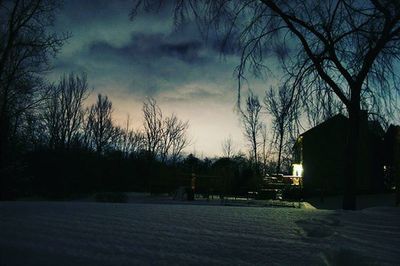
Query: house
{"points": [[320, 156], [392, 160]]}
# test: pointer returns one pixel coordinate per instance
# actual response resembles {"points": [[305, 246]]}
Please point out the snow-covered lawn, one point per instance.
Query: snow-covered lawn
{"points": [[76, 233]]}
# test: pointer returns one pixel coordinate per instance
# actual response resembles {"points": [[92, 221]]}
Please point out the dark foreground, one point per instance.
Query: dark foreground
{"points": [[69, 233]]}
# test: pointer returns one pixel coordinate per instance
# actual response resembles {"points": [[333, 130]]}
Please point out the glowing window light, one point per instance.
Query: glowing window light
{"points": [[297, 170]]}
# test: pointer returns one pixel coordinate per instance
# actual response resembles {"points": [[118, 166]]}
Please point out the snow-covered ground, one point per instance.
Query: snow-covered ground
{"points": [[84, 233], [363, 201]]}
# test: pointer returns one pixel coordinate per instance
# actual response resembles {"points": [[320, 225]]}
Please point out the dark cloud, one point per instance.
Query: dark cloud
{"points": [[145, 57], [186, 51], [147, 64], [145, 46]]}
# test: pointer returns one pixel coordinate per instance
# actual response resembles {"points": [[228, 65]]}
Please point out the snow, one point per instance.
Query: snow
{"points": [[85, 233], [363, 201]]}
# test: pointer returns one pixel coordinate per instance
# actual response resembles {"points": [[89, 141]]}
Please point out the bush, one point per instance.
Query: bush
{"points": [[266, 194], [292, 193], [116, 197]]}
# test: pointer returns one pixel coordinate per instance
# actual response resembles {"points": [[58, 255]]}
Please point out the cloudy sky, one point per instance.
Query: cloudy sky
{"points": [[149, 57]]}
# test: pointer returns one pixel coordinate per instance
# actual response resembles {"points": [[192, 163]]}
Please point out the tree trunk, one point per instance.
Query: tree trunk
{"points": [[352, 156], [255, 149], [278, 167]]}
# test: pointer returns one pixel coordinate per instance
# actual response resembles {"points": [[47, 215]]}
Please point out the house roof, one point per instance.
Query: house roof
{"points": [[373, 126], [338, 117]]}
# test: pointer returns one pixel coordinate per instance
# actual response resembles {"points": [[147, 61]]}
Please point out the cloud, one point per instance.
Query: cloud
{"points": [[149, 63], [143, 47], [131, 60], [186, 51]]}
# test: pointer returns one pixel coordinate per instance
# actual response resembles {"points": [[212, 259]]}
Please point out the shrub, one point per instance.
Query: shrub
{"points": [[292, 193], [116, 197]]}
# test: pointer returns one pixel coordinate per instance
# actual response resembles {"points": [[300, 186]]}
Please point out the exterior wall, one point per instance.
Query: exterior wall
{"points": [[392, 159], [323, 156], [370, 167]]}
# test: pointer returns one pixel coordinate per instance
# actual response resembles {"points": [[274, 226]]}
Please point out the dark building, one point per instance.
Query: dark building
{"points": [[392, 159], [320, 156]]}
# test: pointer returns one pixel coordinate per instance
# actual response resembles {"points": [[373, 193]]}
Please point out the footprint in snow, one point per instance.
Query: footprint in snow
{"points": [[349, 257], [318, 228]]}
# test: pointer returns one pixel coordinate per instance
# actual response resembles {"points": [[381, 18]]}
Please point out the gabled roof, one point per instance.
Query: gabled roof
{"points": [[336, 118], [373, 126]]}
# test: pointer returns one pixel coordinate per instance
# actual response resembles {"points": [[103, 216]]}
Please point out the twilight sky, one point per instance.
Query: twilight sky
{"points": [[131, 60]]}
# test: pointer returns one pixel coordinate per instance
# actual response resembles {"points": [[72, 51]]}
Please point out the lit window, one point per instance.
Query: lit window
{"points": [[297, 170]]}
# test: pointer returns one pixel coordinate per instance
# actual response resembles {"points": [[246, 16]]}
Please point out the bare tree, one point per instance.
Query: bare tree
{"points": [[228, 147], [130, 141], [264, 147], [166, 137], [351, 46], [179, 143], [168, 129], [115, 142], [252, 124], [124, 138], [26, 46], [52, 117], [100, 124], [174, 138], [284, 113], [321, 105], [86, 135], [64, 113], [153, 126], [75, 91], [136, 141], [31, 133]]}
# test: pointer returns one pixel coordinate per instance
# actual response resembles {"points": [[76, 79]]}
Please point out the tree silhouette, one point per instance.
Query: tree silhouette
{"points": [[284, 115], [165, 137], [26, 46], [100, 123], [252, 124], [264, 150], [153, 124], [130, 141], [228, 147], [64, 113], [174, 138], [351, 46]]}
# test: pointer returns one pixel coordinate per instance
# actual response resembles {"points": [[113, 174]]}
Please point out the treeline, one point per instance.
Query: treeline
{"points": [[63, 149], [52, 144], [61, 174], [62, 122]]}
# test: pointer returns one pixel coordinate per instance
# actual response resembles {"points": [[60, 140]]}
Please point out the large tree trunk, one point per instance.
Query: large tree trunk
{"points": [[352, 156]]}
